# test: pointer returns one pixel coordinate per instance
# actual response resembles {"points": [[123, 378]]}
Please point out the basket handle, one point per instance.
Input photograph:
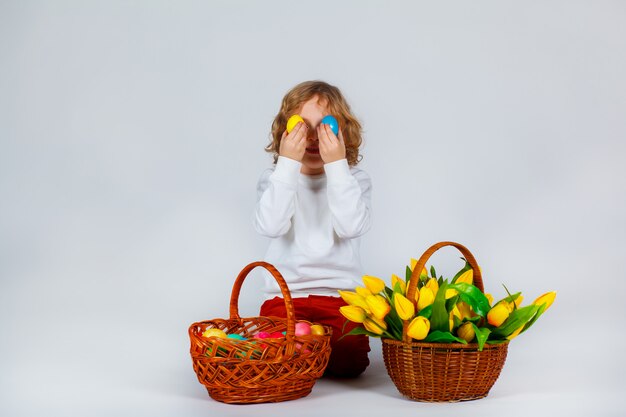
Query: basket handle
{"points": [[421, 263], [284, 289]]}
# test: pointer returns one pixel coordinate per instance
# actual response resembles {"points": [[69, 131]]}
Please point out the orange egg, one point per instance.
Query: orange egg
{"points": [[318, 330]]}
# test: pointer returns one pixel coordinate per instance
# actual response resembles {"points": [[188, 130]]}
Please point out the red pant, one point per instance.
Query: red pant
{"points": [[348, 357]]}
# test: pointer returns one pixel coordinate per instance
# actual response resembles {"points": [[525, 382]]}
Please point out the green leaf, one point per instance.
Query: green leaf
{"points": [[511, 297], [439, 318], [388, 293], [426, 312], [451, 302], [515, 320], [433, 274], [482, 334], [472, 296], [443, 337], [408, 274], [532, 321]]}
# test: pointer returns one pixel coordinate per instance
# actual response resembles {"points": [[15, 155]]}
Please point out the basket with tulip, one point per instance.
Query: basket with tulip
{"points": [[443, 340]]}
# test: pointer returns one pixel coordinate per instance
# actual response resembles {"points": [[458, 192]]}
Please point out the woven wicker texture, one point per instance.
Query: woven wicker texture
{"points": [[255, 370], [442, 372]]}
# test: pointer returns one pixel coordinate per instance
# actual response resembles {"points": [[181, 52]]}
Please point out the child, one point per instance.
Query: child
{"points": [[314, 205]]}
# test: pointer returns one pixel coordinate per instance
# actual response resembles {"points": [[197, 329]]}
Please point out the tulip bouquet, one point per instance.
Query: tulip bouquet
{"points": [[441, 311]]}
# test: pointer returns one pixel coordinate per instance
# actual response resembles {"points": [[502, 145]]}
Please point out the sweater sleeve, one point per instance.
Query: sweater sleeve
{"points": [[276, 193], [349, 199]]}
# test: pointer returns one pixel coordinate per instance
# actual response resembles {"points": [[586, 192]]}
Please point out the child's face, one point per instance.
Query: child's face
{"points": [[312, 111]]}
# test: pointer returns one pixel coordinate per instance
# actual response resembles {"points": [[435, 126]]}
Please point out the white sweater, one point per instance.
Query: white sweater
{"points": [[315, 223]]}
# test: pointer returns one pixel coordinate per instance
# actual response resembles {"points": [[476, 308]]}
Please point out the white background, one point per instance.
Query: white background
{"points": [[131, 140]]}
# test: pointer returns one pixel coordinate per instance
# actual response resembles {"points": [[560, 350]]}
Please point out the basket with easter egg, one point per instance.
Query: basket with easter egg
{"points": [[443, 340], [259, 359]]}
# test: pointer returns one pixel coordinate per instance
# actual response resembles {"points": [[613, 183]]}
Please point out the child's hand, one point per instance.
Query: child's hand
{"points": [[332, 148], [293, 145]]}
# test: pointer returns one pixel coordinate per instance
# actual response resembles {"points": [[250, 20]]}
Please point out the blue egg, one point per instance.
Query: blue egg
{"points": [[332, 122], [236, 336]]}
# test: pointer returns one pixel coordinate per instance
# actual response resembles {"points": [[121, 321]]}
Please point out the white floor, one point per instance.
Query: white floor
{"points": [[536, 381]]}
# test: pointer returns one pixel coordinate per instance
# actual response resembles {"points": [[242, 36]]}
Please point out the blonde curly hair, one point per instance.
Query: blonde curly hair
{"points": [[337, 106]]}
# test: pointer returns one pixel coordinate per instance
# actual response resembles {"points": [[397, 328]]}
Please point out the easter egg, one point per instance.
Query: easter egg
{"points": [[276, 335], [332, 122], [236, 336], [214, 333], [262, 335], [317, 330], [302, 329], [293, 121]]}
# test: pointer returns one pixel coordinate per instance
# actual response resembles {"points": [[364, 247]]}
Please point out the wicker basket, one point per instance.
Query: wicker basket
{"points": [[255, 370], [442, 372]]}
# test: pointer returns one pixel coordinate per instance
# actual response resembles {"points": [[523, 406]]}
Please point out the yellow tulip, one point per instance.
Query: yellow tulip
{"points": [[353, 313], [374, 325], [489, 298], [451, 293], [426, 298], [516, 332], [515, 304], [418, 328], [498, 314], [375, 285], [378, 306], [354, 299], [547, 299], [465, 310], [362, 291], [404, 307], [509, 306], [466, 277], [456, 312], [466, 332], [396, 280], [413, 263], [433, 285]]}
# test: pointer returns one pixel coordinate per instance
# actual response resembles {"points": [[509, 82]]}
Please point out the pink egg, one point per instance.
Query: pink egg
{"points": [[276, 335], [262, 335], [302, 329]]}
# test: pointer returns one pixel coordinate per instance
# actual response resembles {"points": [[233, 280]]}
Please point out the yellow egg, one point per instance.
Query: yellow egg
{"points": [[214, 333], [293, 121], [317, 330]]}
